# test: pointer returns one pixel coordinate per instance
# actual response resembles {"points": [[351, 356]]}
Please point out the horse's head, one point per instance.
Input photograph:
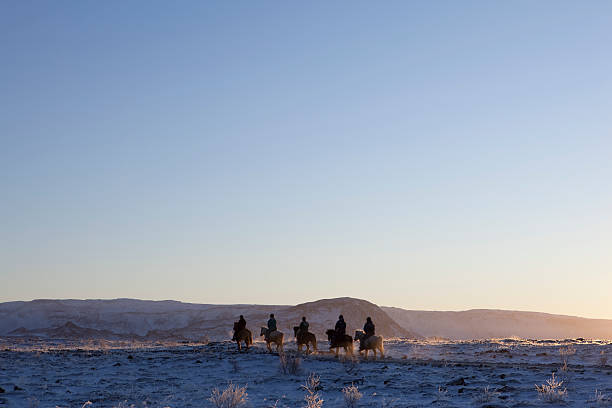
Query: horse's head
{"points": [[263, 332], [330, 334], [235, 326], [295, 330], [359, 335]]}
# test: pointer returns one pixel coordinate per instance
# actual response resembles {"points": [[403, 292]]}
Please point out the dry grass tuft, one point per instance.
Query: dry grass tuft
{"points": [[233, 396], [487, 395], [291, 365], [351, 396], [312, 386], [552, 391]]}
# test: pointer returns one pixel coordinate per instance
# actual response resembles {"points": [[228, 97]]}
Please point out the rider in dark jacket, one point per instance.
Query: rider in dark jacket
{"points": [[304, 325], [340, 326], [369, 327], [271, 323], [241, 324]]}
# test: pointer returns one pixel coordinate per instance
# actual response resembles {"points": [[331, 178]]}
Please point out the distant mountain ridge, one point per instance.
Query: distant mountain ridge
{"points": [[168, 319], [132, 318], [488, 323]]}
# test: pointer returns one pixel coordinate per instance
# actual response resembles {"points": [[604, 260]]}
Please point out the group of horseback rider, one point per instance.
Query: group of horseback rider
{"points": [[340, 329]]}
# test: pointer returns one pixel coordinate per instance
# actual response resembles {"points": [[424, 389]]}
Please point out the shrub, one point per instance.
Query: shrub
{"points": [[291, 365], [486, 396], [551, 391], [351, 396], [441, 395], [391, 403], [566, 353], [233, 396], [124, 404], [312, 386], [603, 358], [600, 399]]}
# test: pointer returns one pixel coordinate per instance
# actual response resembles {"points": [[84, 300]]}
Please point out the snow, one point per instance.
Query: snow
{"points": [[413, 374]]}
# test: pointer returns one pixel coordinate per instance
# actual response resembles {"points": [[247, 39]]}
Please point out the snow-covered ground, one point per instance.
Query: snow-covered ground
{"points": [[413, 374]]}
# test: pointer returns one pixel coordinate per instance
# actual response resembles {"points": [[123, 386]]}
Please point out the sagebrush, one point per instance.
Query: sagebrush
{"points": [[233, 396]]}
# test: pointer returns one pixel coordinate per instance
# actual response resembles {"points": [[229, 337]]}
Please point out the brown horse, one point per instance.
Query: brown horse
{"points": [[244, 335], [345, 341], [275, 337], [304, 339], [371, 343]]}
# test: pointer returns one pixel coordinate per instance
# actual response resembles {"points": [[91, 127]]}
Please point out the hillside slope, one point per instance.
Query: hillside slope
{"points": [[483, 323], [120, 318]]}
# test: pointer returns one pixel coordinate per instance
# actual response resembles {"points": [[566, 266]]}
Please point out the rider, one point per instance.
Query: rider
{"points": [[304, 325], [271, 325], [369, 328], [340, 326], [241, 324]]}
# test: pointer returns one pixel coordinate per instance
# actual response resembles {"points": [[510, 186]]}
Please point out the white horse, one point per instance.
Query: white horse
{"points": [[371, 343], [273, 337]]}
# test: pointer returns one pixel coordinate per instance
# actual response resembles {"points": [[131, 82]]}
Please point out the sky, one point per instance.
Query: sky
{"points": [[426, 155]]}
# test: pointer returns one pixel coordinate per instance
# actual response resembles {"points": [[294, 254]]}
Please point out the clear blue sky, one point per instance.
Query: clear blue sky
{"points": [[426, 155]]}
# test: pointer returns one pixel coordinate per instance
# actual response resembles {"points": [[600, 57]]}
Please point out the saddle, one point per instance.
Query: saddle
{"points": [[269, 334], [301, 335], [340, 339]]}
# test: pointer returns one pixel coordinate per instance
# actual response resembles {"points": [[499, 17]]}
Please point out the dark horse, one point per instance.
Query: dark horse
{"points": [[243, 335], [335, 341], [304, 339]]}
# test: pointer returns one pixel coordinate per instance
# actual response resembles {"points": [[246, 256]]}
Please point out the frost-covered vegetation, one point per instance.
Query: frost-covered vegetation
{"points": [[233, 396], [414, 374], [311, 386], [552, 390], [351, 396]]}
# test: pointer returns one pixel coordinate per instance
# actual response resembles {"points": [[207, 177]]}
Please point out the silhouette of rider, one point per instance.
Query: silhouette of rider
{"points": [[271, 325], [240, 325], [340, 326], [304, 325], [369, 328]]}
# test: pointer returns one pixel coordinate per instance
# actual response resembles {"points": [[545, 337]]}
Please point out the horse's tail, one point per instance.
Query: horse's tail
{"points": [[314, 342]]}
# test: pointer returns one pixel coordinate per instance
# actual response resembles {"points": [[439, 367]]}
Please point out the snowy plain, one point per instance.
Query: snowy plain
{"points": [[414, 373]]}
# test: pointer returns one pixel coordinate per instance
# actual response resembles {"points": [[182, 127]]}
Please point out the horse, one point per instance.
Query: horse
{"points": [[306, 339], [243, 335], [371, 343], [345, 341], [275, 337]]}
